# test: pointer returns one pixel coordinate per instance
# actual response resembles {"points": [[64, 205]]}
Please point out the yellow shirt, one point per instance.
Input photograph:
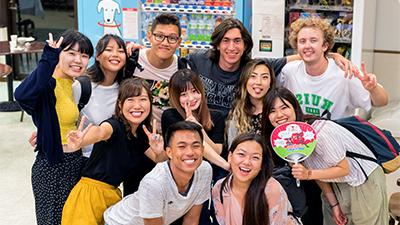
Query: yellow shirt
{"points": [[66, 108]]}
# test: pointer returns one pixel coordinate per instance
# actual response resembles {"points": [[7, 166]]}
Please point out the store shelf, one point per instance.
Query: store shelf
{"points": [[343, 40], [187, 44], [322, 8], [192, 9]]}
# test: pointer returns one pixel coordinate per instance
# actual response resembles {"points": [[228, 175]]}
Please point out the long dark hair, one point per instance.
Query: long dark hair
{"points": [[269, 100], [179, 83], [95, 72], [256, 209], [132, 87], [219, 33]]}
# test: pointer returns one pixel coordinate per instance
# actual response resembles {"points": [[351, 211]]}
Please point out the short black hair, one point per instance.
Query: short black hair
{"points": [[182, 125], [72, 37], [166, 19]]}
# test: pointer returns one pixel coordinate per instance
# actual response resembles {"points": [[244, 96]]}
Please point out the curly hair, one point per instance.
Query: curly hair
{"points": [[314, 22], [242, 108]]}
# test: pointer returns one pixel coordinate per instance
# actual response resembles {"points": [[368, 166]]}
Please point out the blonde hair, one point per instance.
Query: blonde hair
{"points": [[242, 108], [314, 22]]}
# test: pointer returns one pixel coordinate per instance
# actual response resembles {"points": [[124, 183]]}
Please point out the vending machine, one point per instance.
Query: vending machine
{"points": [[353, 20], [131, 19]]}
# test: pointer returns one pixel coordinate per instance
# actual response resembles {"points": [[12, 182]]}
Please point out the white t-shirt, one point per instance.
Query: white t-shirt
{"points": [[101, 105], [332, 143], [159, 89], [331, 90], [158, 196]]}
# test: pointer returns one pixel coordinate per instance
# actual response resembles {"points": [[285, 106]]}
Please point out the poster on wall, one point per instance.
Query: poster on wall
{"points": [[119, 17], [268, 28]]}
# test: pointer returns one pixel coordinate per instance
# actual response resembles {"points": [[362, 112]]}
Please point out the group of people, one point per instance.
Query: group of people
{"points": [[149, 128]]}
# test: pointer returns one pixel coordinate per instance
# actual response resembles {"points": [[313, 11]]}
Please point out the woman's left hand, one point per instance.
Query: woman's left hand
{"points": [[300, 172], [156, 141]]}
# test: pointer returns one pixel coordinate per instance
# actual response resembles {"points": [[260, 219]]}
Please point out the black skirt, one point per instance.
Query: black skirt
{"points": [[52, 184]]}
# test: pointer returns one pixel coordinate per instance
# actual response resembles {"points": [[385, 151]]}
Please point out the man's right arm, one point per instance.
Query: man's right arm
{"points": [[153, 221]]}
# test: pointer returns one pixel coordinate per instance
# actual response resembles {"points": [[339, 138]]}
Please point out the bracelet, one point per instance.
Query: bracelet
{"points": [[332, 206]]}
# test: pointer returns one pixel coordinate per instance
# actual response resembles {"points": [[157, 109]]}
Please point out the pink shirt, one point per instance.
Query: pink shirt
{"points": [[231, 213]]}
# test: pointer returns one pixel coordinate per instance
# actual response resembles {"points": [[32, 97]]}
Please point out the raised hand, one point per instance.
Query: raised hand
{"points": [[33, 139], [52, 43], [189, 114], [156, 141], [368, 80], [75, 137]]}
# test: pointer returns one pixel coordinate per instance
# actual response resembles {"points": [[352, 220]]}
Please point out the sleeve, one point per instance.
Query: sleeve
{"points": [[29, 91], [169, 117], [206, 176], [150, 194], [115, 126], [277, 64], [194, 59], [216, 197], [217, 134], [231, 132], [278, 203]]}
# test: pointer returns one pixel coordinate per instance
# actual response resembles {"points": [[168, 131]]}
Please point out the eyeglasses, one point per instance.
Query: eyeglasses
{"points": [[170, 39]]}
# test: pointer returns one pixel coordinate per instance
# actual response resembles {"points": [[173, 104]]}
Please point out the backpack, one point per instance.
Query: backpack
{"points": [[86, 91], [133, 62], [381, 142]]}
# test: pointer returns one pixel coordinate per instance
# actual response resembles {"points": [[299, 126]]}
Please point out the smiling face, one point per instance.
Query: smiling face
{"points": [[311, 45], [72, 63], [281, 112], [246, 161], [163, 50], [112, 59], [136, 109], [259, 82], [231, 50], [185, 151], [191, 96]]}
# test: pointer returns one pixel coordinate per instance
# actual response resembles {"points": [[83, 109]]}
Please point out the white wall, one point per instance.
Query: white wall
{"points": [[387, 46]]}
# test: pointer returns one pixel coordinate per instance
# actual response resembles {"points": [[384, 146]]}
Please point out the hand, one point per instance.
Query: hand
{"points": [[132, 46], [189, 114], [156, 141], [33, 139], [368, 80], [75, 137], [52, 43], [300, 172], [347, 66], [338, 216]]}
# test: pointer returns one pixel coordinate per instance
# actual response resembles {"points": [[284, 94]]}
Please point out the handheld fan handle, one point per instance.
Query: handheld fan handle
{"points": [[297, 180]]}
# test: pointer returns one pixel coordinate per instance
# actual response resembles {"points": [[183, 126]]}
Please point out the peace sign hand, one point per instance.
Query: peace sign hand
{"points": [[368, 80], [189, 114], [75, 137], [156, 141], [52, 43]]}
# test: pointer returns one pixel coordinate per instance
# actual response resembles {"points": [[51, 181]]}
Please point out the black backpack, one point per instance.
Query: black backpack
{"points": [[86, 91], [381, 142], [133, 62]]}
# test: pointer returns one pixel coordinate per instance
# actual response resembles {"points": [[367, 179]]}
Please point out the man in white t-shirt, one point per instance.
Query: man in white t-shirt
{"points": [[159, 62], [175, 188], [318, 83]]}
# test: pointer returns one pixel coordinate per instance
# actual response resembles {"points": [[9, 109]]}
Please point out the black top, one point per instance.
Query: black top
{"points": [[119, 157], [220, 86], [216, 134]]}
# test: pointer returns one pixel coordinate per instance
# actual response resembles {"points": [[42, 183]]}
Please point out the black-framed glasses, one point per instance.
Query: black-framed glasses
{"points": [[171, 39]]}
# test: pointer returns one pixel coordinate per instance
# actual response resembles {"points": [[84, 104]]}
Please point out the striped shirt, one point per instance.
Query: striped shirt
{"points": [[332, 143]]}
